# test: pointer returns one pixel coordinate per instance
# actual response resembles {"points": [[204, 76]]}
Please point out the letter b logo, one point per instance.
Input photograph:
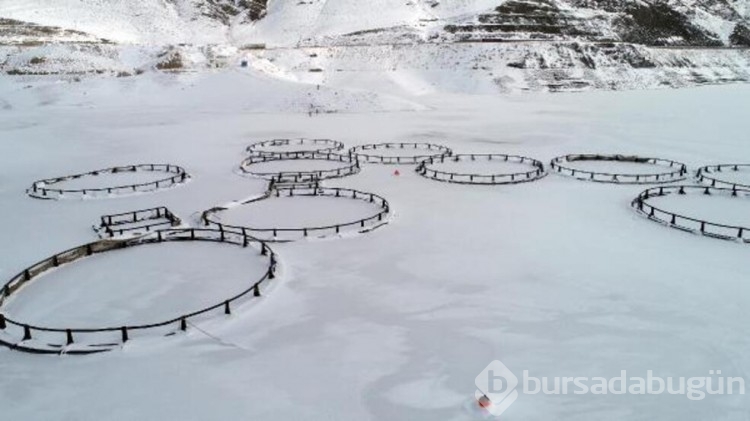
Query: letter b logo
{"points": [[498, 384]]}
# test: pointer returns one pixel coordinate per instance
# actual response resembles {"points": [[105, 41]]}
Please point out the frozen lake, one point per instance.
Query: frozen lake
{"points": [[299, 212], [481, 167], [614, 167], [405, 152], [558, 277], [295, 145], [105, 180], [295, 165], [140, 285], [719, 209], [742, 176]]}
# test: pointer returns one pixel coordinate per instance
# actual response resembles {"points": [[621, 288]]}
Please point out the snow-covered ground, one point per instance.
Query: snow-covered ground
{"points": [[143, 22], [559, 277], [387, 46]]}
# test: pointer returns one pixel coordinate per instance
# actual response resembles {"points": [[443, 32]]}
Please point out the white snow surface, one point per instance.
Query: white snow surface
{"points": [[559, 277], [296, 165], [620, 167], [299, 212], [110, 180], [141, 285], [126, 21], [180, 21], [721, 209], [290, 22], [741, 176], [481, 167]]}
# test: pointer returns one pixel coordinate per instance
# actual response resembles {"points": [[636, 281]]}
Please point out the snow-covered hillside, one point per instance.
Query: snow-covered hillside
{"points": [[483, 46], [142, 21], [691, 22], [710, 23]]}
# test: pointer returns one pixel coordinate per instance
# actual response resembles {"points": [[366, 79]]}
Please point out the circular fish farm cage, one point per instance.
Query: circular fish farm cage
{"points": [[529, 169], [300, 167], [285, 147], [398, 153], [692, 224], [720, 175], [371, 219], [166, 176], [668, 170], [22, 336]]}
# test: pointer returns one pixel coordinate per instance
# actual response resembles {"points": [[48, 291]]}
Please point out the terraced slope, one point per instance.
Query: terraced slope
{"points": [[483, 46], [653, 23]]}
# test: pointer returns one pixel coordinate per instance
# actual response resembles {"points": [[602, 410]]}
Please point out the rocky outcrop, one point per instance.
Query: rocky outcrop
{"points": [[647, 22], [225, 11], [660, 24], [533, 20], [741, 35]]}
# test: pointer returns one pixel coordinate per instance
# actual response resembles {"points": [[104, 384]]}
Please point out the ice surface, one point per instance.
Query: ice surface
{"points": [[716, 208], [295, 165], [299, 212], [104, 180], [741, 177], [141, 285], [405, 152], [558, 277], [293, 146], [481, 166], [614, 167]]}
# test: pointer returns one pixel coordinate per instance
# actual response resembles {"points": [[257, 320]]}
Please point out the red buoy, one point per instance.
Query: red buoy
{"points": [[484, 402]]}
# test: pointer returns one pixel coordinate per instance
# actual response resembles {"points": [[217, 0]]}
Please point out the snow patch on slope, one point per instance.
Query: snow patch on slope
{"points": [[125, 21], [292, 22]]}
